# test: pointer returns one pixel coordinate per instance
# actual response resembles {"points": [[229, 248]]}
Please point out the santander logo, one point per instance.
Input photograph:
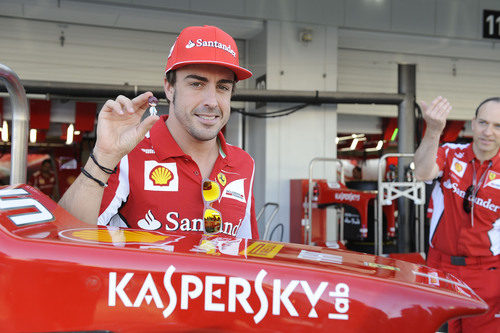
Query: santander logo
{"points": [[210, 43]]}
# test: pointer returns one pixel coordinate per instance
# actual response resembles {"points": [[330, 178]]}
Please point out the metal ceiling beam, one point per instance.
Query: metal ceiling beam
{"points": [[105, 91]]}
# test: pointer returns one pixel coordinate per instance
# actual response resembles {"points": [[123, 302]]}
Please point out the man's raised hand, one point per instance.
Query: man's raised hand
{"points": [[119, 127], [436, 114]]}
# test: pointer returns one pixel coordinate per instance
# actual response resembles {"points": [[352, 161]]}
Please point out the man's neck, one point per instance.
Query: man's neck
{"points": [[201, 151], [204, 153]]}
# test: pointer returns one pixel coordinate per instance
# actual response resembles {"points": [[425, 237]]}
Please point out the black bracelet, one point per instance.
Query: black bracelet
{"points": [[104, 169], [86, 173]]}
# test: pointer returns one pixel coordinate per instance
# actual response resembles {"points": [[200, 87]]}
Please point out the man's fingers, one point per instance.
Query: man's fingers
{"points": [[123, 104], [447, 110], [436, 101], [443, 109], [146, 125], [437, 108], [112, 106], [424, 105], [435, 115], [141, 102], [442, 104], [126, 104]]}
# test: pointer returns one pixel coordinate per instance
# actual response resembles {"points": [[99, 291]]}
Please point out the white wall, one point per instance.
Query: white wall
{"points": [[255, 130], [466, 72], [90, 54], [292, 141]]}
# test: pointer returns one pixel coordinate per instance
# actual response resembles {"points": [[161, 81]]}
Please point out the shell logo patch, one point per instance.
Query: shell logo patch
{"points": [[376, 265], [262, 250], [458, 167], [117, 236], [492, 180], [222, 179], [160, 176]]}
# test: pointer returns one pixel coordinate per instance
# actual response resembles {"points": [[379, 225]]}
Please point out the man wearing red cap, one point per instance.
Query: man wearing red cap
{"points": [[149, 174]]}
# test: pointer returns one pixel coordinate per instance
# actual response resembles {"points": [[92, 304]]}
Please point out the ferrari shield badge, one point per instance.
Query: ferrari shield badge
{"points": [[222, 179]]}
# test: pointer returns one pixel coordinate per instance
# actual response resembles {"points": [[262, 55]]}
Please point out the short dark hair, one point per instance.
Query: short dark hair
{"points": [[171, 77], [491, 99]]}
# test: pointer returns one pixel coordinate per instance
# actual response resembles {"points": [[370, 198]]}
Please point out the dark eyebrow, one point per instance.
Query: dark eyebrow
{"points": [[204, 79], [223, 81], [196, 77]]}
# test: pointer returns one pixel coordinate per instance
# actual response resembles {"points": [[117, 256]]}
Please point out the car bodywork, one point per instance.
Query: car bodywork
{"points": [[59, 274]]}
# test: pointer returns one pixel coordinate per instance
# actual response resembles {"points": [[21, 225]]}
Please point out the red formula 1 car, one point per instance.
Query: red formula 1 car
{"points": [[59, 275]]}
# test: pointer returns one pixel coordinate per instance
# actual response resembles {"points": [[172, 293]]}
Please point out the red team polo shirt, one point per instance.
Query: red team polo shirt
{"points": [[158, 187], [452, 230]]}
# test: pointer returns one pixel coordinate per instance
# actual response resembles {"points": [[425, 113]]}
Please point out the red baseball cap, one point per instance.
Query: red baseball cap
{"points": [[206, 45]]}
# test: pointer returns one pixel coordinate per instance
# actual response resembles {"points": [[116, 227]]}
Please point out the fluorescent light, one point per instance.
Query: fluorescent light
{"points": [[380, 143], [32, 135], [5, 131], [349, 137], [394, 134], [69, 134], [354, 144]]}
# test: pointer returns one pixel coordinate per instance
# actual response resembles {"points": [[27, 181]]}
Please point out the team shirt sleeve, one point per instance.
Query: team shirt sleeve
{"points": [[441, 157], [115, 194], [248, 226]]}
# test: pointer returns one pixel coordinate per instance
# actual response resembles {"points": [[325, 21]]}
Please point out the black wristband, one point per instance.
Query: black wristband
{"points": [[104, 169], [86, 173]]}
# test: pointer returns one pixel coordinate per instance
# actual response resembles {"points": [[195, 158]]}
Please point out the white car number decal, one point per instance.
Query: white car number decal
{"points": [[41, 215]]}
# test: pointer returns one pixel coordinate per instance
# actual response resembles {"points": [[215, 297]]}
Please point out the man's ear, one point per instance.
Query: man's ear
{"points": [[169, 90]]}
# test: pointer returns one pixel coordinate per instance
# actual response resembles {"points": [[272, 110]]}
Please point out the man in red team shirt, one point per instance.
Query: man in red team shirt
{"points": [[161, 162], [45, 179], [465, 224]]}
